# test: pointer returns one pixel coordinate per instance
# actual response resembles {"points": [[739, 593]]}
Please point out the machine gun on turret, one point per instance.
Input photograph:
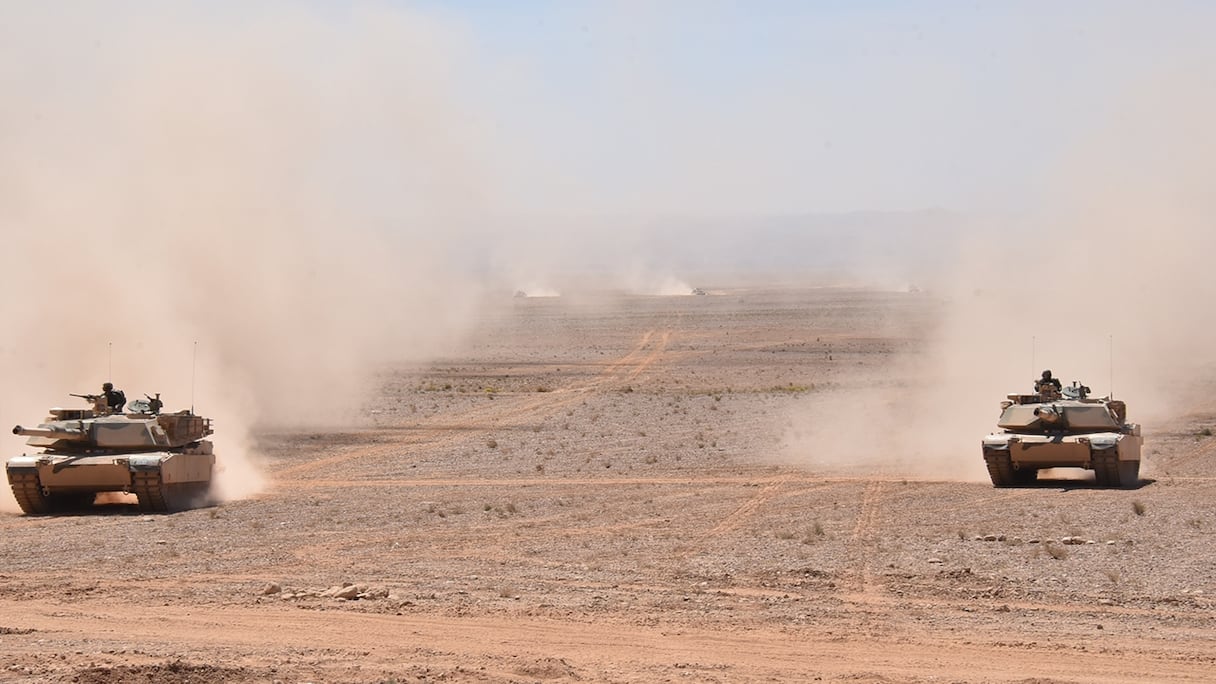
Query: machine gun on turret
{"points": [[100, 407], [1076, 391]]}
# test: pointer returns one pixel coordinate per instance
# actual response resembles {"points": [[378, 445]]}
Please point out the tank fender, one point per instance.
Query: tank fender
{"points": [[996, 443], [145, 461], [23, 462], [1104, 440]]}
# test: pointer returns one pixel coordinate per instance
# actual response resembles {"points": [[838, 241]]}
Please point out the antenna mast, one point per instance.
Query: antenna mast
{"points": [[1032, 366], [1111, 356], [193, 364], [110, 368]]}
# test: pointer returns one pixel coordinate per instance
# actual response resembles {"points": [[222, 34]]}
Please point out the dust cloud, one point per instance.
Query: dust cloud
{"points": [[310, 193], [1106, 283], [249, 215]]}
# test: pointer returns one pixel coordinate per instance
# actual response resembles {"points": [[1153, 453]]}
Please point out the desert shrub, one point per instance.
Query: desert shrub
{"points": [[813, 534]]}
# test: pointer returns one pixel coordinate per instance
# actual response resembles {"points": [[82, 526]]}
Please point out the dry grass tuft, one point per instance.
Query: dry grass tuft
{"points": [[813, 534]]}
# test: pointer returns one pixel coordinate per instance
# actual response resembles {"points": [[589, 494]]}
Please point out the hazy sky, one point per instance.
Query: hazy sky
{"points": [[813, 106], [698, 108]]}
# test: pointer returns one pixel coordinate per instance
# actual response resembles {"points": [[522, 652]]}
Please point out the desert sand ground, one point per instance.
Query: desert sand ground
{"points": [[593, 492]]}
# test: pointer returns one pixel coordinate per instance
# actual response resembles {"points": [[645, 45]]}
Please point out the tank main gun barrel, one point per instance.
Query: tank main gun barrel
{"points": [[67, 435], [1047, 415]]}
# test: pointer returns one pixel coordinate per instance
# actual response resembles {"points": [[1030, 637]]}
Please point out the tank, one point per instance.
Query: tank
{"points": [[1064, 429], [161, 458]]}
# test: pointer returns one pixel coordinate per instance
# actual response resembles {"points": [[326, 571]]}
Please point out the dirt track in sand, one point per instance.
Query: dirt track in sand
{"points": [[589, 494]]}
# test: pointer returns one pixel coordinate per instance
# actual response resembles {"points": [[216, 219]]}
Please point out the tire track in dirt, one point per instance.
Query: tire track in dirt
{"points": [[502, 411], [864, 538], [748, 508]]}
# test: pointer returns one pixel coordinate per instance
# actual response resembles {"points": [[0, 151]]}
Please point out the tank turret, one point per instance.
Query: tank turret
{"points": [[127, 432]]}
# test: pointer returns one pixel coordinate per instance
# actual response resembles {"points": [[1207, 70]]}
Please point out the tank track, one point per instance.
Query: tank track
{"points": [[1002, 472], [1000, 468], [1106, 467], [148, 488], [157, 497], [1109, 471], [27, 490]]}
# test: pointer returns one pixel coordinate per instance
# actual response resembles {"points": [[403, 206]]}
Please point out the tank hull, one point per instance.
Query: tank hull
{"points": [[1016, 459], [163, 481]]}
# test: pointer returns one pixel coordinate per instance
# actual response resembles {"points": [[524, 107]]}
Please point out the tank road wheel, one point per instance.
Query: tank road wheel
{"points": [[1000, 468], [1129, 474], [27, 490]]}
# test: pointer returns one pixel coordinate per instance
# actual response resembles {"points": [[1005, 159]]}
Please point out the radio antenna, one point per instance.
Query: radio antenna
{"points": [[193, 365], [1032, 366], [1110, 349], [110, 368]]}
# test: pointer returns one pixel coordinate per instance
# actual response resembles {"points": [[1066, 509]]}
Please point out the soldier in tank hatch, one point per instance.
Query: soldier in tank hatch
{"points": [[1047, 386], [115, 399]]}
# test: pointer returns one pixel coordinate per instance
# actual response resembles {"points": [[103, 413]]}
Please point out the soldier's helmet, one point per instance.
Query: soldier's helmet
{"points": [[106, 387], [1046, 375]]}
